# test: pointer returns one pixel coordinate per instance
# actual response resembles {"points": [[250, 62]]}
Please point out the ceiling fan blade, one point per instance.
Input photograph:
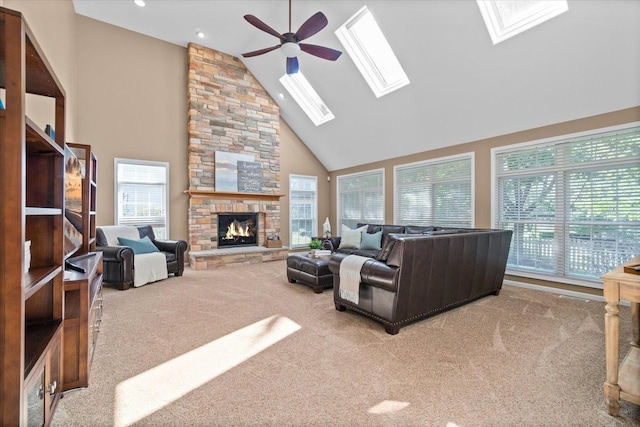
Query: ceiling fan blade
{"points": [[320, 51], [292, 65], [312, 26], [262, 26], [260, 52]]}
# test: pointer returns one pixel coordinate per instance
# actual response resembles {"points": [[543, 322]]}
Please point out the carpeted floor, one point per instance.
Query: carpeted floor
{"points": [[240, 346]]}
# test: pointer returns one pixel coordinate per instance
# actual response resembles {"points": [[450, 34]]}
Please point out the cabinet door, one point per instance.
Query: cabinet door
{"points": [[53, 377], [34, 397]]}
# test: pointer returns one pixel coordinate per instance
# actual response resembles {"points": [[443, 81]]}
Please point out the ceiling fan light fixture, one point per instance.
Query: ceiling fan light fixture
{"points": [[290, 45], [290, 49]]}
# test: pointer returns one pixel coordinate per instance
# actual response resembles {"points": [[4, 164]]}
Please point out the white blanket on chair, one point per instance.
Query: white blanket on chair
{"points": [[149, 268], [112, 232], [350, 277]]}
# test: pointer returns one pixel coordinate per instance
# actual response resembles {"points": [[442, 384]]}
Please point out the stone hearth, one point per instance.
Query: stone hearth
{"points": [[229, 111], [214, 258]]}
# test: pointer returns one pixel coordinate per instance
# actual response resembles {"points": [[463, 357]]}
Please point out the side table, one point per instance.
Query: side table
{"points": [[622, 382]]}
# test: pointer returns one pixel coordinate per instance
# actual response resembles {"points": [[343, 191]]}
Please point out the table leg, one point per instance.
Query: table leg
{"points": [[612, 336], [635, 323]]}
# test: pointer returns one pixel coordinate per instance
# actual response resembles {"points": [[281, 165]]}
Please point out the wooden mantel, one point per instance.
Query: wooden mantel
{"points": [[210, 194]]}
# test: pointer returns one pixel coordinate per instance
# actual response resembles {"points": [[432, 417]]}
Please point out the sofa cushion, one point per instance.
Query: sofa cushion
{"points": [[371, 241], [142, 246], [446, 231], [387, 247], [369, 253], [415, 229], [350, 239]]}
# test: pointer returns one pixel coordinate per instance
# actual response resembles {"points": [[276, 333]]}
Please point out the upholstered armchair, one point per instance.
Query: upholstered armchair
{"points": [[131, 255]]}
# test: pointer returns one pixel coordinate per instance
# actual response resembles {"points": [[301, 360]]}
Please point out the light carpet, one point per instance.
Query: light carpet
{"points": [[240, 346]]}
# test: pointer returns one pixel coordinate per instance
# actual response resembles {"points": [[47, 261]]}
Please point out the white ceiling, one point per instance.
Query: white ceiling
{"points": [[463, 88]]}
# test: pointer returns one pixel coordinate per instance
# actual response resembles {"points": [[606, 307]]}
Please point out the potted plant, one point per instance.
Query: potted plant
{"points": [[313, 245]]}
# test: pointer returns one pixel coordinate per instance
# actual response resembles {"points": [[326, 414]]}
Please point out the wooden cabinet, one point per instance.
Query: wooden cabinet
{"points": [[83, 291], [89, 194], [623, 380], [43, 386], [31, 209], [83, 314]]}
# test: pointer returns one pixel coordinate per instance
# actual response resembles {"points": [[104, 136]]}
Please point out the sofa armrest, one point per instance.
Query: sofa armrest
{"points": [[331, 243], [174, 251], [177, 247], [117, 262], [116, 254], [373, 273]]}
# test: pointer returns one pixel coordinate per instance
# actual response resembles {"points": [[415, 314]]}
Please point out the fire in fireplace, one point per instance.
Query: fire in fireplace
{"points": [[237, 230]]}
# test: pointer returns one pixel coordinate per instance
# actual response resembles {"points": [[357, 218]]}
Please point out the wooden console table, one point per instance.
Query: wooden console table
{"points": [[622, 383], [82, 317]]}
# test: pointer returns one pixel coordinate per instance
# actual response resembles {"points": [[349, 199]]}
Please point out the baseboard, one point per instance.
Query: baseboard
{"points": [[574, 294]]}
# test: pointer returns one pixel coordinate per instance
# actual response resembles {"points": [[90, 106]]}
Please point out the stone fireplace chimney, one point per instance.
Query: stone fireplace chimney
{"points": [[229, 111]]}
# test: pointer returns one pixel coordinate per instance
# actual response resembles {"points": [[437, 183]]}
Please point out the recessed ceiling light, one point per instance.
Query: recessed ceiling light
{"points": [[200, 34], [281, 95], [140, 3]]}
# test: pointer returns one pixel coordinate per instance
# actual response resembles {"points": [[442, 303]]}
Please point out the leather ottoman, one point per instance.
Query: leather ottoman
{"points": [[313, 272]]}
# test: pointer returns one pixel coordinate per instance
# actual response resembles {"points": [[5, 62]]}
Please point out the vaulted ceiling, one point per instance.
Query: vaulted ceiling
{"points": [[463, 88]]}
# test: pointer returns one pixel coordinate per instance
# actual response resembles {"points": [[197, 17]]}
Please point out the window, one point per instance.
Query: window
{"points": [[307, 98], [361, 198], [507, 18], [435, 192], [369, 49], [303, 209], [141, 194], [572, 203]]}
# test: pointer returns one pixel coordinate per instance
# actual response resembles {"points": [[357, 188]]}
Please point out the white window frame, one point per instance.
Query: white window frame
{"points": [[117, 216], [314, 226], [431, 163], [307, 98], [373, 57], [503, 27], [338, 194], [557, 276]]}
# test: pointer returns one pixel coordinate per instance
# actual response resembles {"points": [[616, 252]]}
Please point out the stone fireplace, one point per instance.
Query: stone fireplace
{"points": [[235, 230], [230, 112]]}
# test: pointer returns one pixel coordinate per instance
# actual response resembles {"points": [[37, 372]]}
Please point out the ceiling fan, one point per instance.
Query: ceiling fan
{"points": [[290, 42]]}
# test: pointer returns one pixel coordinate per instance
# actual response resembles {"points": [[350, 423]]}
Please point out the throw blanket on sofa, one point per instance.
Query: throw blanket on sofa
{"points": [[149, 268], [350, 277], [112, 232]]}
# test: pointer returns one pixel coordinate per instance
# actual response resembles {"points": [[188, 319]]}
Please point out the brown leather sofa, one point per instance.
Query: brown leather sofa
{"points": [[415, 276], [118, 261]]}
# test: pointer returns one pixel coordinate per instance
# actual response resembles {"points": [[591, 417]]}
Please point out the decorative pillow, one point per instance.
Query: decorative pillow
{"points": [[371, 241], [350, 239], [142, 246]]}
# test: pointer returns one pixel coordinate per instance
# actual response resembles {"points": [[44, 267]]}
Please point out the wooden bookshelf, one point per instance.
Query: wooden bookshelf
{"points": [[32, 209]]}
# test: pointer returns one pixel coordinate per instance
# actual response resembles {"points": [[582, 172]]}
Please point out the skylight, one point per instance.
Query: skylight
{"points": [[307, 98], [506, 18], [363, 39]]}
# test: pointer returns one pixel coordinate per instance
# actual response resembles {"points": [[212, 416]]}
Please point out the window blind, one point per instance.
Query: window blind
{"points": [[303, 210], [142, 195], [573, 204], [435, 192], [361, 198]]}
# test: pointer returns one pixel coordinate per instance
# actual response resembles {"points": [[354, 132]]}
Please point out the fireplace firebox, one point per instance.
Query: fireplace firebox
{"points": [[236, 229]]}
